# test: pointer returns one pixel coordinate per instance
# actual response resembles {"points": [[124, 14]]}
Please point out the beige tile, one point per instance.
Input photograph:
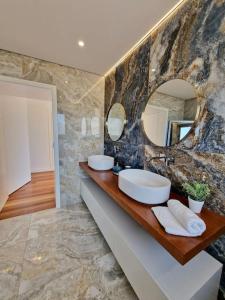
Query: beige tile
{"points": [[67, 258], [14, 230], [54, 221], [64, 256], [14, 253], [11, 259]]}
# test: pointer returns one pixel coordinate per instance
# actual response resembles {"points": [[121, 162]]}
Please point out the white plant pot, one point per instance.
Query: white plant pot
{"points": [[195, 206]]}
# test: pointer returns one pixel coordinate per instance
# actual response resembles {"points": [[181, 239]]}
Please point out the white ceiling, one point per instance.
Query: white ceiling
{"points": [[50, 29]]}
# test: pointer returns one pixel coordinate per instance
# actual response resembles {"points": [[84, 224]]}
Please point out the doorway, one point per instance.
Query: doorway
{"points": [[29, 158]]}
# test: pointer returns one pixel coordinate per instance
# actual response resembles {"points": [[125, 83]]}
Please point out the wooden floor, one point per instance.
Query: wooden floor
{"points": [[34, 196]]}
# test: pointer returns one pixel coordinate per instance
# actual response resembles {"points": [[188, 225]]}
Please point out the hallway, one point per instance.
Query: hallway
{"points": [[35, 196]]}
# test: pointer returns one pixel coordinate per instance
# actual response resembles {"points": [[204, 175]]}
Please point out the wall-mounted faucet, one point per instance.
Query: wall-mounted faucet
{"points": [[170, 160], [167, 159]]}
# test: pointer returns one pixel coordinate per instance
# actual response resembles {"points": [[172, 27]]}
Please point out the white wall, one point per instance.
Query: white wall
{"points": [[26, 141], [40, 135], [30, 90], [16, 140], [3, 174]]}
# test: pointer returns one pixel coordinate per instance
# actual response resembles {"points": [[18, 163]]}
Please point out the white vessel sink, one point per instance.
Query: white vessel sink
{"points": [[144, 186], [100, 162]]}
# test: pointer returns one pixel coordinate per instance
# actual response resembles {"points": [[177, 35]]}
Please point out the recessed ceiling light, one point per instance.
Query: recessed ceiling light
{"points": [[66, 81], [81, 43], [153, 70]]}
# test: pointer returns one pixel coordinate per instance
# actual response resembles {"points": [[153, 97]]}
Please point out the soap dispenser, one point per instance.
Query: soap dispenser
{"points": [[116, 169]]}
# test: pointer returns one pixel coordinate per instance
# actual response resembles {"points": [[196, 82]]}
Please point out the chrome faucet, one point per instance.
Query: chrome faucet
{"points": [[167, 159]]}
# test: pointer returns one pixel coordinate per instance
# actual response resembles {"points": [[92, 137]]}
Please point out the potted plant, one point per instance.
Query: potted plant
{"points": [[197, 194]]}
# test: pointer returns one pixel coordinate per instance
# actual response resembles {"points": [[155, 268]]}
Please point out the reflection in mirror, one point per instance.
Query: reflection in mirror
{"points": [[170, 112], [116, 121]]}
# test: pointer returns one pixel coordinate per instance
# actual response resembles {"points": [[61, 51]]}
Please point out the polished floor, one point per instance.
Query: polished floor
{"points": [[58, 254], [35, 196]]}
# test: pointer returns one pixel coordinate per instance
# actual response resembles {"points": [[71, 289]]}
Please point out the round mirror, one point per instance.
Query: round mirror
{"points": [[170, 112], [116, 121]]}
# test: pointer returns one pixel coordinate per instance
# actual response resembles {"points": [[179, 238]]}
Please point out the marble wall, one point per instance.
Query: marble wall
{"points": [[80, 97], [189, 45]]}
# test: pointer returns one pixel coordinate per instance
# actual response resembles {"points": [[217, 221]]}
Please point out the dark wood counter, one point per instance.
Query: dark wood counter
{"points": [[181, 248]]}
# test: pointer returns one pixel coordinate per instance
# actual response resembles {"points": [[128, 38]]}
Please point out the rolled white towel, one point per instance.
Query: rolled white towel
{"points": [[189, 220], [169, 222], [177, 219]]}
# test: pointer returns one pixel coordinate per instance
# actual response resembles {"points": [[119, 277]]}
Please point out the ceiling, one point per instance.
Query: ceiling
{"points": [[50, 29]]}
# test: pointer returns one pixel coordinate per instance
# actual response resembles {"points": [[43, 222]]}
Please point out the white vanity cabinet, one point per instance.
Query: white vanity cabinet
{"points": [[153, 273]]}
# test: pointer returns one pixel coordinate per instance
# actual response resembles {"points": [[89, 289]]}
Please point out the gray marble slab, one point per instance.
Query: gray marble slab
{"points": [[58, 254]]}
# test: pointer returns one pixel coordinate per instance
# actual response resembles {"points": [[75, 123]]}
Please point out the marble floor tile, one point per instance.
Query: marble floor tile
{"points": [[59, 254], [44, 263], [14, 230], [9, 280], [13, 253], [98, 279], [112, 279], [61, 287], [11, 259], [78, 221]]}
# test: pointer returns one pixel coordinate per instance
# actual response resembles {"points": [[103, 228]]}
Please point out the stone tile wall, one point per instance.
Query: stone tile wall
{"points": [[189, 45]]}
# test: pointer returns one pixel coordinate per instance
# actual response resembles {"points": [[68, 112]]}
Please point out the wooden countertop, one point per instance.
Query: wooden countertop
{"points": [[182, 249]]}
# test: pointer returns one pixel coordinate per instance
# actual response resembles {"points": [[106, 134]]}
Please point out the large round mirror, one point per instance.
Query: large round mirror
{"points": [[116, 121], [170, 112]]}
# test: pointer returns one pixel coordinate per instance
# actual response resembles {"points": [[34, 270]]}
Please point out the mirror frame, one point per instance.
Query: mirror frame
{"points": [[201, 104], [124, 124]]}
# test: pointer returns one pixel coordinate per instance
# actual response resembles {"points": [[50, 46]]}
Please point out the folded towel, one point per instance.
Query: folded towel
{"points": [[177, 219], [189, 220]]}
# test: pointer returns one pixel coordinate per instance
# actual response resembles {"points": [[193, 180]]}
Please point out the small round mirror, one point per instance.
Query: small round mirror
{"points": [[170, 113], [116, 121]]}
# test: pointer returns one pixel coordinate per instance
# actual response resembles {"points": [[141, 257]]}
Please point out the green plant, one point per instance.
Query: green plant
{"points": [[196, 190]]}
